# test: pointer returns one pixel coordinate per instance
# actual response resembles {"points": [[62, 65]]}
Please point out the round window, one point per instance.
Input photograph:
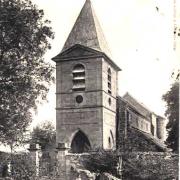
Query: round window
{"points": [[79, 99], [109, 100]]}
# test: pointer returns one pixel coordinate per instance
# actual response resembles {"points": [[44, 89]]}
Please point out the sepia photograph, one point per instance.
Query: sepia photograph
{"points": [[89, 89]]}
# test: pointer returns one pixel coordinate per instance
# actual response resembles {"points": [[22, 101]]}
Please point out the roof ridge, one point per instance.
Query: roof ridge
{"points": [[100, 33], [140, 103], [144, 106]]}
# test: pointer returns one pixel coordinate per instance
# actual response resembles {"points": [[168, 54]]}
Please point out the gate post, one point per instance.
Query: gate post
{"points": [[34, 154], [62, 151]]}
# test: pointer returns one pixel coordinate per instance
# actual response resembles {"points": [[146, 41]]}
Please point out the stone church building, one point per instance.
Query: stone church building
{"points": [[87, 102], [90, 114]]}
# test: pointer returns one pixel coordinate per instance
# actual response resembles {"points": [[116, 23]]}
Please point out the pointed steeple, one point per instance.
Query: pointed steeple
{"points": [[87, 31]]}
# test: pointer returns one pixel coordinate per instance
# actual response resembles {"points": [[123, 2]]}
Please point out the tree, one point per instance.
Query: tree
{"points": [[172, 113], [24, 75], [43, 134]]}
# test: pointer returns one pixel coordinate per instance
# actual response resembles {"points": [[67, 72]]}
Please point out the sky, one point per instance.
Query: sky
{"points": [[140, 38]]}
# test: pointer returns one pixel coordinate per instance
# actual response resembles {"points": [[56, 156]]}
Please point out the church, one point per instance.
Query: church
{"points": [[90, 115], [89, 112]]}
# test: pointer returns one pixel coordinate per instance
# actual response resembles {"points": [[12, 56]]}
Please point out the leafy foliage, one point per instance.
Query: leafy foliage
{"points": [[44, 134], [24, 75], [4, 160], [136, 166], [172, 113], [150, 166], [22, 167], [102, 161]]}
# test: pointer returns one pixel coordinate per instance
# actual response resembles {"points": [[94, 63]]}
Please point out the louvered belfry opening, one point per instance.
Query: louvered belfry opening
{"points": [[79, 78]]}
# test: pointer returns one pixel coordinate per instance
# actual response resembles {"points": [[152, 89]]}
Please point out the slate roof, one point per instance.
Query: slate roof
{"points": [[87, 31], [154, 140], [139, 107]]}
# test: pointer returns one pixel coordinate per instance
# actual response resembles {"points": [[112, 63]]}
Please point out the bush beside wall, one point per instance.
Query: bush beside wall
{"points": [[136, 166]]}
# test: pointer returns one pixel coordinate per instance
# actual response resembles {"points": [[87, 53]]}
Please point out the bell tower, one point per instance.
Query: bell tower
{"points": [[86, 87]]}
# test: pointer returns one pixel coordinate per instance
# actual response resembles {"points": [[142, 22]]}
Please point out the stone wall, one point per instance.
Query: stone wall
{"points": [[150, 166], [138, 121], [97, 111], [121, 128], [107, 176], [131, 138], [77, 170], [114, 78], [86, 116], [161, 128], [154, 123], [135, 165], [109, 82]]}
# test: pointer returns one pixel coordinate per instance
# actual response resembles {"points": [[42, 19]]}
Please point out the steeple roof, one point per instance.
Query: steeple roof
{"points": [[87, 31]]}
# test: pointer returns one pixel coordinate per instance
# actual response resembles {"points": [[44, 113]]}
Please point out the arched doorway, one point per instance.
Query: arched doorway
{"points": [[80, 143]]}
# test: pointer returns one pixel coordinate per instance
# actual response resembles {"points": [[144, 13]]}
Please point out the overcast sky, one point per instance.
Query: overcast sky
{"points": [[140, 39]]}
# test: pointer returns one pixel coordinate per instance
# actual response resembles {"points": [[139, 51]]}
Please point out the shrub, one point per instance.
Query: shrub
{"points": [[136, 166]]}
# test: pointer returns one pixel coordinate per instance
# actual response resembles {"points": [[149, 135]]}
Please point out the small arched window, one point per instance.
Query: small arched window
{"points": [[78, 77], [109, 80], [109, 143], [111, 140]]}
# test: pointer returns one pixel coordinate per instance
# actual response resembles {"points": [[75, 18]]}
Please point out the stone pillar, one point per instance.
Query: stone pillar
{"points": [[161, 128], [34, 150], [62, 169]]}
